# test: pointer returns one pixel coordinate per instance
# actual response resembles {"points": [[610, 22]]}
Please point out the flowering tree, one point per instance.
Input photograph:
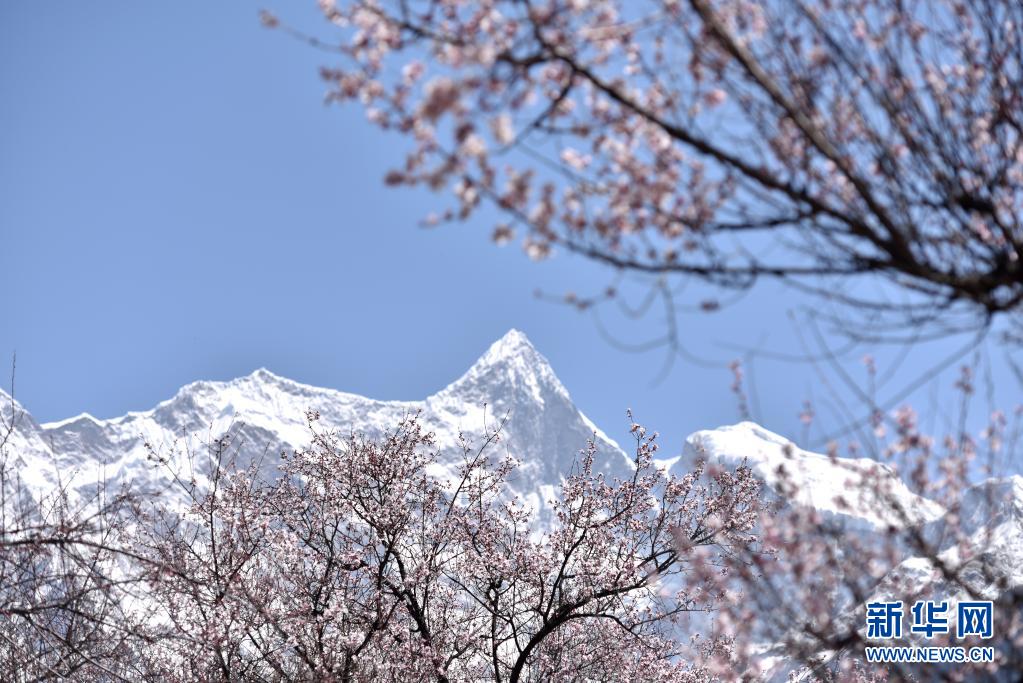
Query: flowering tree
{"points": [[725, 140], [65, 591], [364, 562], [923, 519], [825, 144]]}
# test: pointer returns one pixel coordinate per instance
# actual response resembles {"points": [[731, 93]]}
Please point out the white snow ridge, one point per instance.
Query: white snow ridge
{"points": [[265, 414]]}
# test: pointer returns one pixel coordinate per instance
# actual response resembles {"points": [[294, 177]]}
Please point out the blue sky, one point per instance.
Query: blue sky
{"points": [[177, 203]]}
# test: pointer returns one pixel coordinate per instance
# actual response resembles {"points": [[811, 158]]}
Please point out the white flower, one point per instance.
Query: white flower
{"points": [[501, 127], [474, 146], [575, 159]]}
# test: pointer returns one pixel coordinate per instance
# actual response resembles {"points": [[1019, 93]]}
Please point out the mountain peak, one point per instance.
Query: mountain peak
{"points": [[511, 353], [263, 376], [513, 343], [511, 364]]}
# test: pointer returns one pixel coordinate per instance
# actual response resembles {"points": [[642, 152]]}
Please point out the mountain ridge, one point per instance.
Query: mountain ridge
{"points": [[510, 383]]}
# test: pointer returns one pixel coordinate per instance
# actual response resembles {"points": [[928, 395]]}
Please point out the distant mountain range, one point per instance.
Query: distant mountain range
{"points": [[266, 414], [512, 381]]}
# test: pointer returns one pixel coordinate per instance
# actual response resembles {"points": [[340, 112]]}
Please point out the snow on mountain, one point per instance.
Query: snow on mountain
{"points": [[981, 543], [855, 499], [24, 444], [265, 414], [853, 492]]}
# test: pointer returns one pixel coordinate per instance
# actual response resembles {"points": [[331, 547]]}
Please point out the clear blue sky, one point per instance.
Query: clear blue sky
{"points": [[176, 203]]}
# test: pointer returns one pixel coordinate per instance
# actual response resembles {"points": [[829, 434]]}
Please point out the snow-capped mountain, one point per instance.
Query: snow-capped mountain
{"points": [[513, 382], [854, 493], [981, 542], [266, 414]]}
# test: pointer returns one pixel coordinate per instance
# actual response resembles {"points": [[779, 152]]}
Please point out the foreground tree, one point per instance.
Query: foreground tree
{"points": [[68, 578], [907, 516], [725, 140], [365, 562], [830, 145]]}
